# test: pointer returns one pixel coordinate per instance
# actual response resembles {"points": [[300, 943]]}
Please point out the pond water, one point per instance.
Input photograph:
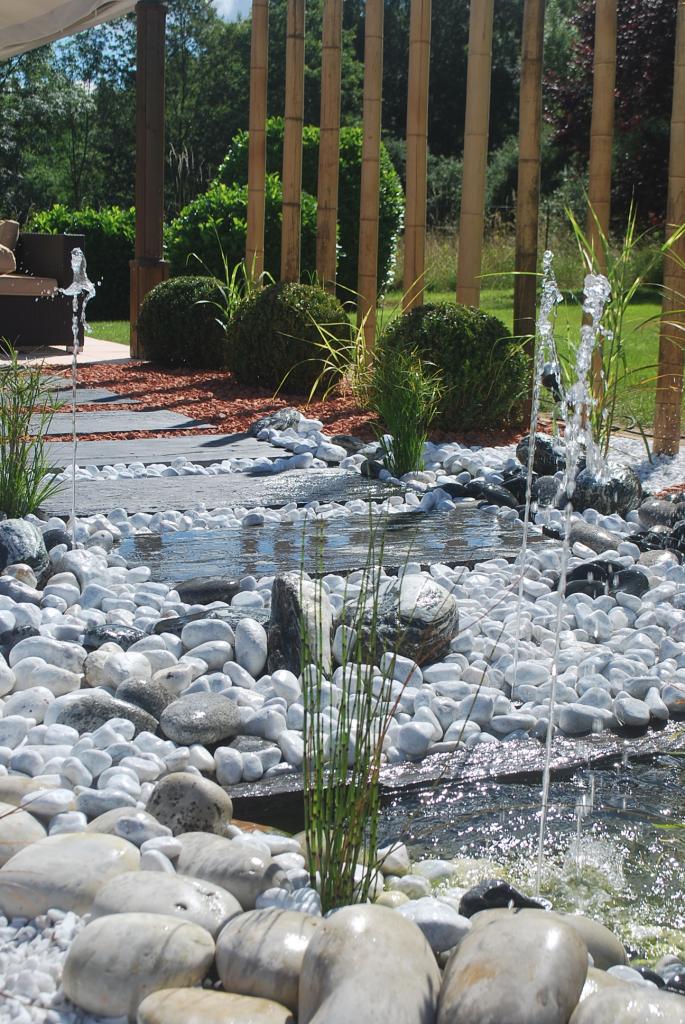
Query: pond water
{"points": [[615, 845]]}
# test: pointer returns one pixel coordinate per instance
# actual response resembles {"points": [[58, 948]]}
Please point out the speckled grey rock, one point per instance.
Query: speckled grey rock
{"points": [[260, 954], [124, 636], [367, 964], [594, 537], [621, 492], [137, 954], [22, 542], [148, 694], [657, 512], [92, 710], [152, 892], [527, 968], [200, 718], [549, 455], [298, 604], [415, 617], [190, 803]]}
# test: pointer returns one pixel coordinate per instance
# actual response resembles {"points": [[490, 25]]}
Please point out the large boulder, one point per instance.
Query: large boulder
{"points": [[413, 616], [22, 543], [300, 626], [617, 490], [241, 868], [548, 457]]}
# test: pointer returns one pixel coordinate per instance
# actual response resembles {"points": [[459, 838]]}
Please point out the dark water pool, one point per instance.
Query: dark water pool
{"points": [[615, 846]]}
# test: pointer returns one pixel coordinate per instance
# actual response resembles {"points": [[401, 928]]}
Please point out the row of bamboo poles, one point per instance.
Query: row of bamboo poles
{"points": [[471, 226]]}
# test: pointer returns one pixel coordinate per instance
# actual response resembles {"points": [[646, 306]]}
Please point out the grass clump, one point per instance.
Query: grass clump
{"points": [[25, 472], [405, 392]]}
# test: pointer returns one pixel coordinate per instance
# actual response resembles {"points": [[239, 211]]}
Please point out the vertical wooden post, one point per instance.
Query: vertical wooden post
{"points": [[367, 273], [329, 145], [528, 189], [477, 122], [670, 380], [417, 153], [148, 268], [256, 154], [292, 142], [602, 127]]}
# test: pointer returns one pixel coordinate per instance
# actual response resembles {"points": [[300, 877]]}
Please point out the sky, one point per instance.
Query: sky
{"points": [[230, 9]]}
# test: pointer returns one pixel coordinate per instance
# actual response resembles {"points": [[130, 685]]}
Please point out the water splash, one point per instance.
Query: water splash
{"points": [[545, 359], [577, 403], [81, 291]]}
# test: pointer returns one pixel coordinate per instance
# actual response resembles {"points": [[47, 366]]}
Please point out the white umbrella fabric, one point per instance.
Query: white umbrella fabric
{"points": [[26, 24]]}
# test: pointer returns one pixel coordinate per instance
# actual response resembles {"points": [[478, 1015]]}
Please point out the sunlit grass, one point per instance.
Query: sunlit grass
{"points": [[110, 330]]}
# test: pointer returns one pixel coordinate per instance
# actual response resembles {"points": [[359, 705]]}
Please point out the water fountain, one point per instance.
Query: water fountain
{"points": [[81, 290]]}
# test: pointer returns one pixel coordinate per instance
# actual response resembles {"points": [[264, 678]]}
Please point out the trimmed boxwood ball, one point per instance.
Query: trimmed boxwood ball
{"points": [[273, 336], [177, 324], [485, 371]]}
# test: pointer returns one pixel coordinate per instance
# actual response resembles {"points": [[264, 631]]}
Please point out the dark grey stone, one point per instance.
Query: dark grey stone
{"points": [[549, 455], [251, 744], [205, 718], [92, 710], [11, 637], [51, 538], [549, 491], [147, 694], [279, 420], [630, 581], [351, 444], [300, 625], [495, 892], [657, 512], [190, 803], [124, 636], [206, 589], [415, 617], [594, 537], [230, 615], [22, 542], [621, 492]]}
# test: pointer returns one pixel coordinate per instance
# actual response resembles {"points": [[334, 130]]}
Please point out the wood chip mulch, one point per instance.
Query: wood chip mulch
{"points": [[213, 397]]}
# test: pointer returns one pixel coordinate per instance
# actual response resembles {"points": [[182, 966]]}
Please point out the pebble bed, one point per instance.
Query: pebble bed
{"points": [[118, 736]]}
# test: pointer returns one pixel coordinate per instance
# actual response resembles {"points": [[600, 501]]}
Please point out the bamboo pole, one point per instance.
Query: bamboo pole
{"points": [[292, 142], [602, 127], [329, 145], [477, 121], [367, 273], [148, 268], [528, 189], [256, 155], [601, 146], [417, 153], [670, 380]]}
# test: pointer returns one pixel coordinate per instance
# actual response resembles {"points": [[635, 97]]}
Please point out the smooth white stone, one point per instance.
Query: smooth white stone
{"points": [[250, 646], [442, 926]]}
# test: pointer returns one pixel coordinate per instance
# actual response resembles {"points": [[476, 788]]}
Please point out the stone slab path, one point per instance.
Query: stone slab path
{"points": [[203, 450], [108, 422], [155, 494], [460, 537], [91, 396]]}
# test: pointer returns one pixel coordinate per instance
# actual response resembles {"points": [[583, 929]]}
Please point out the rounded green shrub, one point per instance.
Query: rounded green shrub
{"points": [[274, 340], [234, 169], [110, 242], [485, 371], [178, 326], [215, 223]]}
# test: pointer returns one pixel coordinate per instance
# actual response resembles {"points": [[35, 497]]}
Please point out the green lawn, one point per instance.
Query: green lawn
{"points": [[642, 342], [110, 330]]}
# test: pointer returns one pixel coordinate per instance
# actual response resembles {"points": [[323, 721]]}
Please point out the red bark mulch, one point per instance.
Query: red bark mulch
{"points": [[213, 397]]}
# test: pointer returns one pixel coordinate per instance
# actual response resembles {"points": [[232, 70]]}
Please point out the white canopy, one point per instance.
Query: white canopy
{"points": [[26, 24]]}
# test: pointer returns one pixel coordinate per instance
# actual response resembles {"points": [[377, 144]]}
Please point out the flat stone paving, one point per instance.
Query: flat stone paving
{"points": [[460, 537], [107, 422], [203, 450], [156, 494], [91, 396]]}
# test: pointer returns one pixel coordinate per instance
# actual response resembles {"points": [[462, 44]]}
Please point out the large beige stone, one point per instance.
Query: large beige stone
{"points": [[522, 968], [260, 954], [597, 981], [62, 872], [105, 822], [153, 892], [368, 965], [630, 1004], [13, 788], [116, 961], [17, 829], [236, 866], [202, 1006], [603, 946]]}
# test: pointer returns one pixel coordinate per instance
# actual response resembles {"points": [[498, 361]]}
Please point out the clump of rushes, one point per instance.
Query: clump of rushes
{"points": [[405, 392], [26, 476], [343, 756]]}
